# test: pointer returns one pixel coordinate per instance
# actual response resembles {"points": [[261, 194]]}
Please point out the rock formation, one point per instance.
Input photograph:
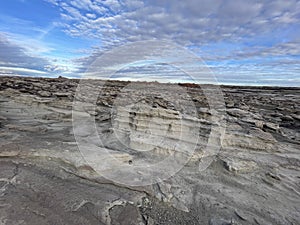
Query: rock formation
{"points": [[48, 177]]}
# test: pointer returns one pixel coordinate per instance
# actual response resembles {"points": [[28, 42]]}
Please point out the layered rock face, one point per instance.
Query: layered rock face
{"points": [[160, 130], [72, 156]]}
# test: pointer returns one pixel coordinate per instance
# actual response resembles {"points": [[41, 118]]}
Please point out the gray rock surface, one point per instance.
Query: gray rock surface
{"points": [[44, 178]]}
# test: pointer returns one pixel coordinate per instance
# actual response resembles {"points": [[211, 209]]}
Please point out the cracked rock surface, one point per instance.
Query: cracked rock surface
{"points": [[46, 179]]}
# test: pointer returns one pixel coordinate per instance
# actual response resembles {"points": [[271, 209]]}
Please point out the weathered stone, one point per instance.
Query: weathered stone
{"points": [[272, 126], [44, 178], [259, 124], [240, 166], [44, 93]]}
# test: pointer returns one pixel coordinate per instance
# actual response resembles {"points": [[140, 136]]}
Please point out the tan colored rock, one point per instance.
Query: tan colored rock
{"points": [[259, 124]]}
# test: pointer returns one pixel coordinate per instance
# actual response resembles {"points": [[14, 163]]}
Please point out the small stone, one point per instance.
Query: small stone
{"points": [[93, 113], [259, 124], [44, 93], [241, 166], [230, 104], [271, 126]]}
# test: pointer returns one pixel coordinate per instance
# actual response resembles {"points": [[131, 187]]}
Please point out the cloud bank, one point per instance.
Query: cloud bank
{"points": [[242, 41]]}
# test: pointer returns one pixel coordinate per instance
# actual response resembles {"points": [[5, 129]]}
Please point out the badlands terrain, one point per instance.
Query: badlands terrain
{"points": [[136, 153]]}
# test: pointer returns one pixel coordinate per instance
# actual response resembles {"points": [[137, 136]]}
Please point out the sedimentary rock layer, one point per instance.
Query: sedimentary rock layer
{"points": [[251, 135]]}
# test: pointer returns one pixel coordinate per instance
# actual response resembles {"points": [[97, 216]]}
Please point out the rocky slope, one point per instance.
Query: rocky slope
{"points": [[54, 169]]}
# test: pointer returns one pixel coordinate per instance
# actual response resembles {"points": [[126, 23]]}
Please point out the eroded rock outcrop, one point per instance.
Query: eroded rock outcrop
{"points": [[45, 179]]}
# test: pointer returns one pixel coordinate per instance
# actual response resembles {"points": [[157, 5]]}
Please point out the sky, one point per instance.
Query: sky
{"points": [[240, 42]]}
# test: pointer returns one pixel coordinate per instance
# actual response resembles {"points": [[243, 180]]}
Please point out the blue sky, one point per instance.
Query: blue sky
{"points": [[246, 42]]}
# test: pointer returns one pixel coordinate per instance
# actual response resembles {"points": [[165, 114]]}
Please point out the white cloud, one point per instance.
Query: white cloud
{"points": [[19, 58], [11, 70], [193, 24], [186, 22]]}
